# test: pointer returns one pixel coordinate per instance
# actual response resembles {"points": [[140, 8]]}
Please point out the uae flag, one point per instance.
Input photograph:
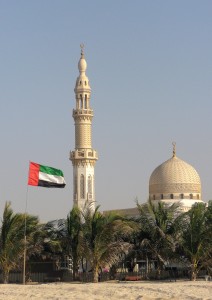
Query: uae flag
{"points": [[45, 176]]}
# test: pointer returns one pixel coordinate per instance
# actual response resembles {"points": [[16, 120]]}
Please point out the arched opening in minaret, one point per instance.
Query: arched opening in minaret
{"points": [[89, 185], [81, 101], [75, 185], [86, 103], [82, 187]]}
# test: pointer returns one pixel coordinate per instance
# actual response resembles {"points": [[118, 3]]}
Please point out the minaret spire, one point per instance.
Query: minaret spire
{"points": [[174, 149], [82, 49], [84, 156]]}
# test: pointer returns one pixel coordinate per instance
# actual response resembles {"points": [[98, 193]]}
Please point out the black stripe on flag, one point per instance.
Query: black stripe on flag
{"points": [[48, 184]]}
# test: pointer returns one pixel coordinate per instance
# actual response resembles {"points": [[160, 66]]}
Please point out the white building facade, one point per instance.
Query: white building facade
{"points": [[84, 156]]}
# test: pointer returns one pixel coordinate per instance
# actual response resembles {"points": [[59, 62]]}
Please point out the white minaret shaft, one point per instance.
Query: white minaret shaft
{"points": [[83, 157]]}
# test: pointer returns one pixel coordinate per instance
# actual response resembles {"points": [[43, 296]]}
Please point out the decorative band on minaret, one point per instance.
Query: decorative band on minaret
{"points": [[84, 156]]}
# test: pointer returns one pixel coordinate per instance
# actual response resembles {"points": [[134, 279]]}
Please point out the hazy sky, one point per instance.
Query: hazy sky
{"points": [[150, 70]]}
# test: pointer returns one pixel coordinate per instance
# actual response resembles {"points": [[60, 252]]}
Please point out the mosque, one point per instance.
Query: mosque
{"points": [[174, 181]]}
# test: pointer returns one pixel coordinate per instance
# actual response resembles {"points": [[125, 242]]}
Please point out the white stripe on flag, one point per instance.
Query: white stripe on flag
{"points": [[51, 178]]}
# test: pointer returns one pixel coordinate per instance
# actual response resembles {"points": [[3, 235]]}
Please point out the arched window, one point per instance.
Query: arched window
{"points": [[191, 196], [82, 187], [181, 196], [90, 185], [86, 104], [172, 196], [81, 101], [75, 185]]}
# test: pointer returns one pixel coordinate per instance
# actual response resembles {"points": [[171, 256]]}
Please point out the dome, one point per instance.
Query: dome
{"points": [[174, 179], [82, 65], [82, 83]]}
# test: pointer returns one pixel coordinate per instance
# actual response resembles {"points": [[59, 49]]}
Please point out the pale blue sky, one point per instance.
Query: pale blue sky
{"points": [[150, 69]]}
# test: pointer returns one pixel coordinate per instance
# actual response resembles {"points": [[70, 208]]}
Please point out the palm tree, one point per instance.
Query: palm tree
{"points": [[12, 239], [197, 237], [159, 230], [11, 243], [74, 237], [66, 234], [103, 239]]}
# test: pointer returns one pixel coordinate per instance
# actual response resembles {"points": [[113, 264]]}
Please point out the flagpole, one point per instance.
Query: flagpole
{"points": [[25, 239]]}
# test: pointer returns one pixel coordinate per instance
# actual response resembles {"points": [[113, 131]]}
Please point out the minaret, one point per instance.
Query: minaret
{"points": [[84, 156]]}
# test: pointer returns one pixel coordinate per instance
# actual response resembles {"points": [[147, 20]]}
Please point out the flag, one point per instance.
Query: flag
{"points": [[45, 176]]}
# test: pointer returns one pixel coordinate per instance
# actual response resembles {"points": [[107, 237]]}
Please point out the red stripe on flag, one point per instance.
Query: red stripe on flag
{"points": [[33, 174]]}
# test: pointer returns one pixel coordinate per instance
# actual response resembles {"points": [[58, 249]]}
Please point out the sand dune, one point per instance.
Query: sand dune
{"points": [[110, 290]]}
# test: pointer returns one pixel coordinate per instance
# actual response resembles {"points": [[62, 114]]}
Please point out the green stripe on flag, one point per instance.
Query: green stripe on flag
{"points": [[51, 171]]}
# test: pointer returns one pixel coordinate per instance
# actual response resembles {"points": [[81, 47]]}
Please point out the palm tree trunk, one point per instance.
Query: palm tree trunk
{"points": [[95, 274], [194, 272], [75, 268], [5, 274]]}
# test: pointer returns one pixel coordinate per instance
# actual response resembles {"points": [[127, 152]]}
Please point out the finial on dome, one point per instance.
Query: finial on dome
{"points": [[82, 65], [174, 149], [82, 49]]}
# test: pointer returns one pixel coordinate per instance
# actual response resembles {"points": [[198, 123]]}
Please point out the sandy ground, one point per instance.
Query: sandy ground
{"points": [[109, 290]]}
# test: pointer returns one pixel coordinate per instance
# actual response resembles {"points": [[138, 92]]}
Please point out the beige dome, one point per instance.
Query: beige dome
{"points": [[175, 176], [82, 65]]}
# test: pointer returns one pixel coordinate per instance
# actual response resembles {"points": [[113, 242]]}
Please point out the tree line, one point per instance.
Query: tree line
{"points": [[162, 233]]}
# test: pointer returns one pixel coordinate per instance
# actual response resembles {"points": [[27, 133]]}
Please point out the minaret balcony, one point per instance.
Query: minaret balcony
{"points": [[81, 112], [84, 154]]}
